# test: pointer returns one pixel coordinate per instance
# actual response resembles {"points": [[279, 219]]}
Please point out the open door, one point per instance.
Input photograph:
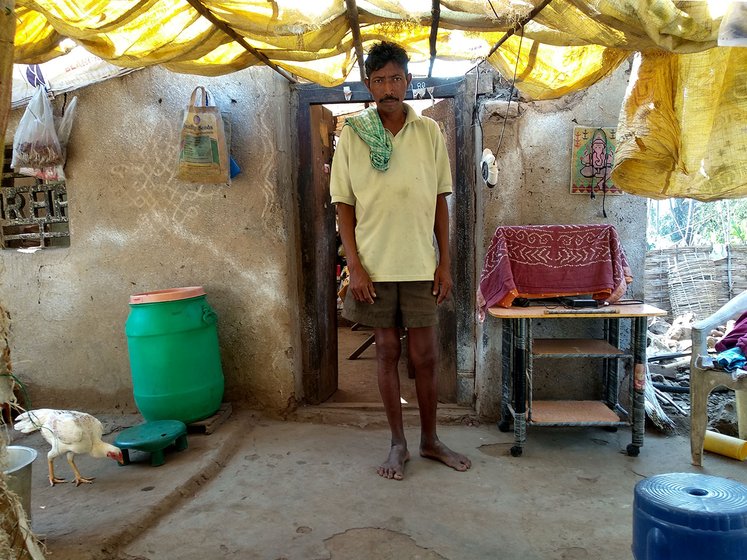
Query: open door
{"points": [[443, 113], [317, 242], [319, 259]]}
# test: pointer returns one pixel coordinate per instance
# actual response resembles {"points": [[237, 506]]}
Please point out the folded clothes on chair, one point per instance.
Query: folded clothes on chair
{"points": [[732, 361]]}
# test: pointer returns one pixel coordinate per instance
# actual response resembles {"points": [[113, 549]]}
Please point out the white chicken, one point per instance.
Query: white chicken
{"points": [[70, 432]]}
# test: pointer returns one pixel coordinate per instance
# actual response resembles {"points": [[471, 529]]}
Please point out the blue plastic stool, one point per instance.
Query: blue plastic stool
{"points": [[152, 437], [686, 516]]}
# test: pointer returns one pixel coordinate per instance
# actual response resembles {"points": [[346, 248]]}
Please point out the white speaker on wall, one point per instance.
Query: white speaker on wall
{"points": [[489, 168]]}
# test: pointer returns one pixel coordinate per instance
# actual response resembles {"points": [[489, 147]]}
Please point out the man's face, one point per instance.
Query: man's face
{"points": [[388, 86]]}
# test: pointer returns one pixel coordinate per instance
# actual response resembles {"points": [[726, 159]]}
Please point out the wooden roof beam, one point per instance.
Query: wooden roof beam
{"points": [[225, 28], [435, 20], [355, 28], [537, 9]]}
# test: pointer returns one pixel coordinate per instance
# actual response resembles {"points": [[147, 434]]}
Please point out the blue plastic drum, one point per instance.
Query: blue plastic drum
{"points": [[686, 516]]}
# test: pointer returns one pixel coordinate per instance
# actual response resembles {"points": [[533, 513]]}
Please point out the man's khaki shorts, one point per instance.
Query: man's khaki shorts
{"points": [[397, 304]]}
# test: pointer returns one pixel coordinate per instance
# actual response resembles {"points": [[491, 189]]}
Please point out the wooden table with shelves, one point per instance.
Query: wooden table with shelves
{"points": [[520, 349]]}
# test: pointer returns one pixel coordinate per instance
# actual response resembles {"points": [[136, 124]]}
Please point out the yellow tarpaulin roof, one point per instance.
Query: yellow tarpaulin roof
{"points": [[681, 132]]}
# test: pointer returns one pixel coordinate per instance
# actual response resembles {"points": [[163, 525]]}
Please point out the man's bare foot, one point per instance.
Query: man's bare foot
{"points": [[439, 452], [394, 467]]}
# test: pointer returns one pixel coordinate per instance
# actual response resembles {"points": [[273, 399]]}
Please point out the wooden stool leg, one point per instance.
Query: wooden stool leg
{"points": [[358, 351]]}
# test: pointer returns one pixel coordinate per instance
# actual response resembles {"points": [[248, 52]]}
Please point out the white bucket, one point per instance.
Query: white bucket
{"points": [[19, 473]]}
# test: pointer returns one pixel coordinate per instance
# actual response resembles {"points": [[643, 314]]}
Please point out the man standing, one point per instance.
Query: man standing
{"points": [[390, 179]]}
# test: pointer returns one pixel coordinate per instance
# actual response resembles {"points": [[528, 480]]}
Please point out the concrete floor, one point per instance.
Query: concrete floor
{"points": [[297, 490]]}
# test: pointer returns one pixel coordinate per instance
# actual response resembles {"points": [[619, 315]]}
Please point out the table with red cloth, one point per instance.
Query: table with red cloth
{"points": [[553, 261]]}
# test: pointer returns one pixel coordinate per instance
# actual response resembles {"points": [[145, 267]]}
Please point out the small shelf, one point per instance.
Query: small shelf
{"points": [[573, 413], [575, 347]]}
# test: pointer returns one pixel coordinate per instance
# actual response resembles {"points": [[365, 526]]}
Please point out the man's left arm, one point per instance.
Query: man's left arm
{"points": [[442, 282]]}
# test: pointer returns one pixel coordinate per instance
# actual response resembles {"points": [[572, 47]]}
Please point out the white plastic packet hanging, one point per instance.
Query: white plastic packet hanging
{"points": [[63, 126], [35, 143]]}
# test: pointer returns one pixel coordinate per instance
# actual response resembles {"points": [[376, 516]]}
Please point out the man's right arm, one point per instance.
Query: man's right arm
{"points": [[360, 283]]}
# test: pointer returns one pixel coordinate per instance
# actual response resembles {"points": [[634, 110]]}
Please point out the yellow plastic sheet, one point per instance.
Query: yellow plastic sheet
{"points": [[546, 72], [686, 144], [142, 32], [682, 128]]}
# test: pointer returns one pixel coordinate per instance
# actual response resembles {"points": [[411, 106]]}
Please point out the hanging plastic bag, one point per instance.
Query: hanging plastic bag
{"points": [[35, 143], [63, 126], [203, 149]]}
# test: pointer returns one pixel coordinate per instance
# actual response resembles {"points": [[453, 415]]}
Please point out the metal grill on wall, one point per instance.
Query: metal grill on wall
{"points": [[33, 212]]}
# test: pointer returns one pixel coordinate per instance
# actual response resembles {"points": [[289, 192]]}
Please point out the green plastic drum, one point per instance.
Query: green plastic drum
{"points": [[174, 355]]}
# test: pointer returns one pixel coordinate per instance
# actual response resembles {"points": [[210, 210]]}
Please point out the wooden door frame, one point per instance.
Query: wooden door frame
{"points": [[313, 282]]}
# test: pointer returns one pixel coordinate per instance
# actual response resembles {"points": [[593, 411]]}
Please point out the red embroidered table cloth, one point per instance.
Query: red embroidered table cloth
{"points": [[552, 261]]}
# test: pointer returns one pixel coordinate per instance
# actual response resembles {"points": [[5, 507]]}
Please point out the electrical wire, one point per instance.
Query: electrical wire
{"points": [[511, 92]]}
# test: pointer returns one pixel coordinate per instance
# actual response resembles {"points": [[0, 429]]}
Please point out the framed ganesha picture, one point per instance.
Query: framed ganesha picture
{"points": [[591, 161]]}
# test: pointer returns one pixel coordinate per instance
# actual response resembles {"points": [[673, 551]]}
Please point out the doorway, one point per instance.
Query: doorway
{"points": [[323, 340]]}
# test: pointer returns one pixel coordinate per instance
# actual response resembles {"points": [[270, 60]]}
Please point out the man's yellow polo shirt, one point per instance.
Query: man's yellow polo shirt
{"points": [[395, 210]]}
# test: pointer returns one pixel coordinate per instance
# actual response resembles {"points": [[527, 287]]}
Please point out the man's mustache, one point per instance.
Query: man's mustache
{"points": [[388, 98]]}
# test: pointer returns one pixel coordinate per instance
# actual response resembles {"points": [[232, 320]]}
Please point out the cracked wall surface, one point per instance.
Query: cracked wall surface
{"points": [[135, 228]]}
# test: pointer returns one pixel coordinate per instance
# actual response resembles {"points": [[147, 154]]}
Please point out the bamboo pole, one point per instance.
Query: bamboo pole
{"points": [[355, 29], [435, 20], [228, 30], [7, 49], [520, 25]]}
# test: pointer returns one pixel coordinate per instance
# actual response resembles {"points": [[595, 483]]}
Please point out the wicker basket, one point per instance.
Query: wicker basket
{"points": [[694, 286]]}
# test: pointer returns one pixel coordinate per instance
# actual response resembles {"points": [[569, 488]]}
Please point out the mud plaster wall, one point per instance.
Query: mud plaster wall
{"points": [[534, 188], [135, 228]]}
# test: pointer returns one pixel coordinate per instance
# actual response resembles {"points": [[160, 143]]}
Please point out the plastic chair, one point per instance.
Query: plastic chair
{"points": [[703, 381]]}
